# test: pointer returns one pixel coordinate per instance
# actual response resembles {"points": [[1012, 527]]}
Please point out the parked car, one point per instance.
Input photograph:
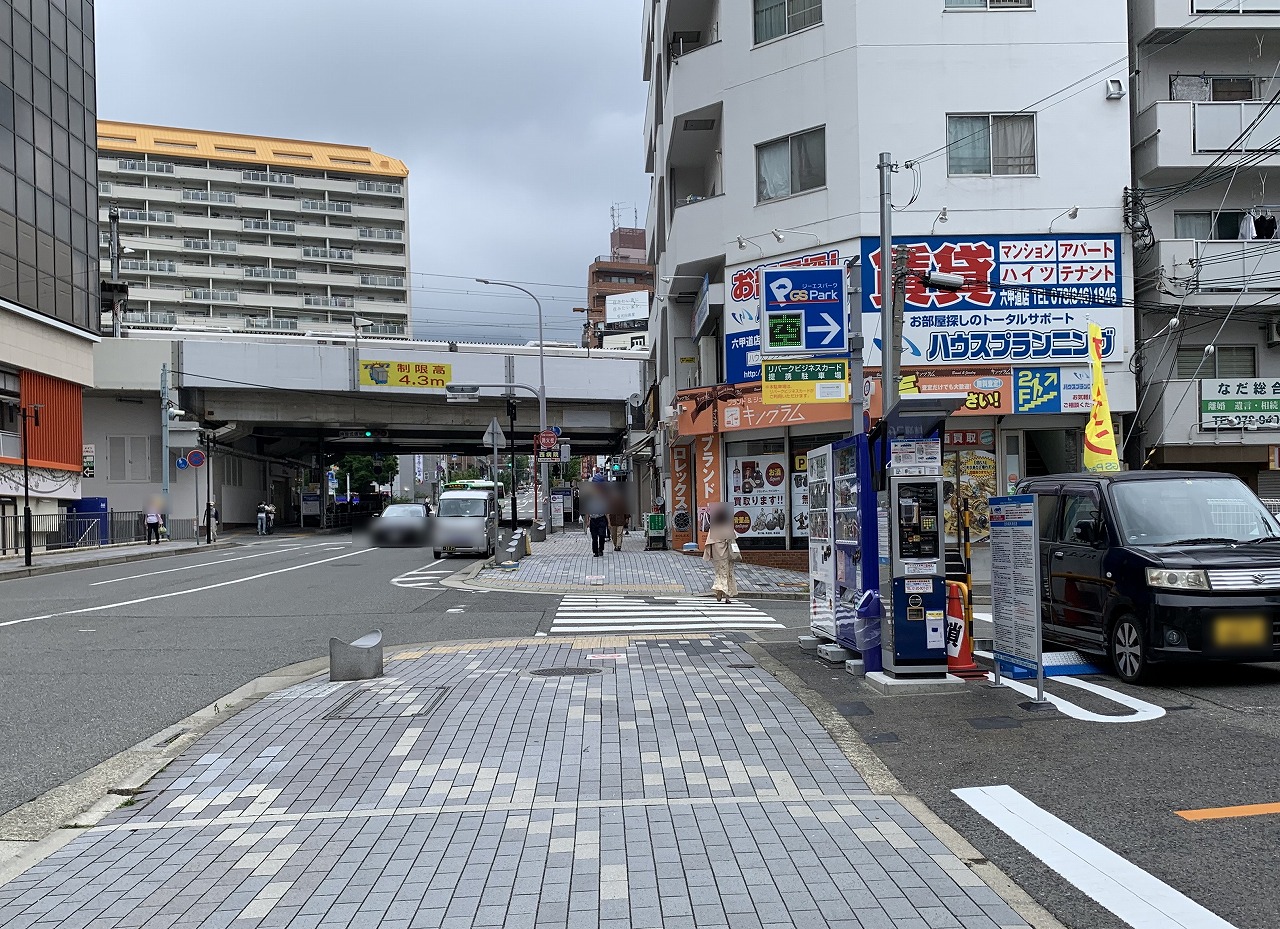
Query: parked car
{"points": [[466, 523], [402, 524], [1156, 566]]}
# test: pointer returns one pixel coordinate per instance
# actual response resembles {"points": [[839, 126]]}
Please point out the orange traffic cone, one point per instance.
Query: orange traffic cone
{"points": [[959, 646]]}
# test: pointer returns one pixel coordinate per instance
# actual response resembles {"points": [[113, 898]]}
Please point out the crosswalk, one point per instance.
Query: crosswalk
{"points": [[620, 614]]}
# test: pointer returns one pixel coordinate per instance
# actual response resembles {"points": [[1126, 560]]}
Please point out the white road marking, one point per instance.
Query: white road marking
{"points": [[1142, 901], [1143, 711], [183, 593], [620, 614], [203, 564], [426, 577]]}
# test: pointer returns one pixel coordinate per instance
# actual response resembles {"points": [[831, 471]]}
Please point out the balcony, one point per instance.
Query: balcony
{"points": [[259, 322], [1184, 418], [697, 232], [1180, 137], [697, 81], [133, 318], [1164, 21], [1206, 269]]}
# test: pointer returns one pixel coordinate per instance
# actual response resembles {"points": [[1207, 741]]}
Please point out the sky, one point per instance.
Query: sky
{"points": [[521, 124]]}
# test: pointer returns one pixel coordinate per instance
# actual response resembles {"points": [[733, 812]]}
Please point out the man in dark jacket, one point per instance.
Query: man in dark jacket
{"points": [[597, 506]]}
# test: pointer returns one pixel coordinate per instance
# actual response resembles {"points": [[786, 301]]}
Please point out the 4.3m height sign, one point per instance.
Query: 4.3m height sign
{"points": [[804, 312]]}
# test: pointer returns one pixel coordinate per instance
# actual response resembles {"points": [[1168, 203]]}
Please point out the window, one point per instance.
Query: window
{"points": [[1203, 224], [130, 458], [1205, 88], [991, 144], [987, 4], [232, 471], [1047, 513], [1079, 507], [1226, 361], [791, 165], [774, 18]]}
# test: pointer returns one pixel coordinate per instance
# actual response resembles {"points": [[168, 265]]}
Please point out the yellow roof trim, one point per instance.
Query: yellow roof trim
{"points": [[245, 149]]}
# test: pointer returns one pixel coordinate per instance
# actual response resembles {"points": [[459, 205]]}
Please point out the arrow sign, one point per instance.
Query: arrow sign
{"points": [[494, 436], [832, 328]]}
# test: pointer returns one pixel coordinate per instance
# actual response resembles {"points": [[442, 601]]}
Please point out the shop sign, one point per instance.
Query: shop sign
{"points": [[88, 456], [701, 308], [731, 407], [969, 438], [1236, 403], [758, 495], [681, 497], [1052, 390], [1000, 391], [806, 381], [404, 375], [800, 464], [804, 311], [707, 485], [1031, 301]]}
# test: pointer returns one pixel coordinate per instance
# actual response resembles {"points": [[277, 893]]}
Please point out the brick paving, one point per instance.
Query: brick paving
{"points": [[668, 789], [564, 564]]}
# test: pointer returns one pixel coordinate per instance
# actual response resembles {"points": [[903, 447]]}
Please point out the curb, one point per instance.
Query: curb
{"points": [[123, 558]]}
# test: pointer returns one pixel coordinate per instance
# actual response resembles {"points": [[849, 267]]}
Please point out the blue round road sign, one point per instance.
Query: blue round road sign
{"points": [[181, 464], [196, 458]]}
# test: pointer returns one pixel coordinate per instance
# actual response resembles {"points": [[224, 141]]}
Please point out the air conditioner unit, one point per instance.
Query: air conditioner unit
{"points": [[1273, 332]]}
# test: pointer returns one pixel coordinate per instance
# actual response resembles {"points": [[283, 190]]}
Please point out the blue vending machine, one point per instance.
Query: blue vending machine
{"points": [[857, 612]]}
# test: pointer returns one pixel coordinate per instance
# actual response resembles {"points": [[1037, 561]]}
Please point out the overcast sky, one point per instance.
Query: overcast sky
{"points": [[520, 122]]}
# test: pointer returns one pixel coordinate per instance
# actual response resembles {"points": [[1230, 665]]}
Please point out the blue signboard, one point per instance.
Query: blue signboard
{"points": [[805, 312], [1031, 299], [742, 357]]}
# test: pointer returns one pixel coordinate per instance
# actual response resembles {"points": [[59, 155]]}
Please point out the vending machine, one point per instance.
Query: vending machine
{"points": [[822, 561], [854, 537]]}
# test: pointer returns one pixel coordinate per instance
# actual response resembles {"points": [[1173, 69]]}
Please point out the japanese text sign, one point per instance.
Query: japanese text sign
{"points": [[404, 374], [806, 381], [1240, 403], [805, 311]]}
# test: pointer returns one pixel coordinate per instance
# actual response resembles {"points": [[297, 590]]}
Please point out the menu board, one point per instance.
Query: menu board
{"points": [[759, 493]]}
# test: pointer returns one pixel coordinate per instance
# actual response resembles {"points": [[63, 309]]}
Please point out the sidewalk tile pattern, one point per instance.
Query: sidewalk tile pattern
{"points": [[668, 789], [564, 563]]}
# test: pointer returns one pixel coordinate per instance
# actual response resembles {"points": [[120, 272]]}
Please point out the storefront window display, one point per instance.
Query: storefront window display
{"points": [[758, 490]]}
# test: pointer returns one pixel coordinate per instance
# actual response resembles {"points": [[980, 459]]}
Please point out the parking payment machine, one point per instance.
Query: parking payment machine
{"points": [[907, 447]]}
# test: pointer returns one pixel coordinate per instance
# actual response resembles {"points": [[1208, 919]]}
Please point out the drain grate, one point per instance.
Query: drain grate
{"points": [[563, 672], [388, 703]]}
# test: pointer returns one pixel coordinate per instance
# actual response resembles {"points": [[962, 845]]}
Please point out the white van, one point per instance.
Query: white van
{"points": [[466, 523]]}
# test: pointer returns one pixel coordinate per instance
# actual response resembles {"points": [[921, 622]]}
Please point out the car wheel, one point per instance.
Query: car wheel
{"points": [[1128, 650], [437, 555]]}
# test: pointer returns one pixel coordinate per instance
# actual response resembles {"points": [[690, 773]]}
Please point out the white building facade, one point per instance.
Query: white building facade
{"points": [[255, 234], [1206, 135], [763, 133]]}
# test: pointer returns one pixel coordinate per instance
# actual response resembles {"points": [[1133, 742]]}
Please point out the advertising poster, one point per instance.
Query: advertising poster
{"points": [[758, 492], [799, 484], [972, 455], [681, 497]]}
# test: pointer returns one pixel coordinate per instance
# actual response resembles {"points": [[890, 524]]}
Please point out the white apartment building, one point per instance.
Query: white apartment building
{"points": [[1206, 137], [1009, 122], [254, 234]]}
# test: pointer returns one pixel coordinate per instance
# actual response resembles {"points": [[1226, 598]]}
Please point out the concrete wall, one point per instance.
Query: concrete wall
{"points": [[48, 347]]}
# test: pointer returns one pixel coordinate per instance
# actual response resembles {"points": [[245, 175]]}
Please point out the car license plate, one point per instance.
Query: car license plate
{"points": [[1234, 632], [450, 548]]}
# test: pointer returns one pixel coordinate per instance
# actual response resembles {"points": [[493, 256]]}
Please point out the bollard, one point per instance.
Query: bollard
{"points": [[359, 661]]}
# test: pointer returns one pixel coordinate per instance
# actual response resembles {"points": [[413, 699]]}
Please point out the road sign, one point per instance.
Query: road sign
{"points": [[494, 436], [196, 458], [552, 455], [805, 311], [181, 464], [546, 438], [87, 468], [816, 381]]}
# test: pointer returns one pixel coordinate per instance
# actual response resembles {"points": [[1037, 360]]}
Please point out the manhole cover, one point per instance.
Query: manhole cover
{"points": [[395, 702], [742, 666], [563, 672]]}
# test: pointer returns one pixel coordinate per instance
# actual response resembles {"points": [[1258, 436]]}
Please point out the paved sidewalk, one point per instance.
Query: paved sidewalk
{"points": [[54, 562], [564, 564], [677, 786]]}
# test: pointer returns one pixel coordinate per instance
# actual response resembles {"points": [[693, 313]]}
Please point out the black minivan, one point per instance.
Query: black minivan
{"points": [[1153, 566]]}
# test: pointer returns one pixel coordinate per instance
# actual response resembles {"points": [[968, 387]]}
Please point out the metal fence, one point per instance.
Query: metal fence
{"points": [[53, 532]]}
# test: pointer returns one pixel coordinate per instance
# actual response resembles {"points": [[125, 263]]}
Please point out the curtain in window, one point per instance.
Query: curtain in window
{"points": [[965, 4], [803, 13], [771, 19], [773, 170], [808, 160], [1192, 226], [968, 145], [1013, 145]]}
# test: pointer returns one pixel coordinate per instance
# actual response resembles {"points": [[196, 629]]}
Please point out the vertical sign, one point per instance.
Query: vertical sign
{"points": [[1015, 585], [1099, 440], [681, 497], [706, 468], [88, 456]]}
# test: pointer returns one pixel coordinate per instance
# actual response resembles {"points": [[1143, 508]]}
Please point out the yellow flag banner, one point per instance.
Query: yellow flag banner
{"points": [[1099, 439]]}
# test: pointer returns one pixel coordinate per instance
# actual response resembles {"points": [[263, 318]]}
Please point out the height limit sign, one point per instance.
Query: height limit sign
{"points": [[805, 312]]}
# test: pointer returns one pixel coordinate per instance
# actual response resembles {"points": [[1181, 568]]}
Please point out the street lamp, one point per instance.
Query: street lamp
{"points": [[544, 508]]}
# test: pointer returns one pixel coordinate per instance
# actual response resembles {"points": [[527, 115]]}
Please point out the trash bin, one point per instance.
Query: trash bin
{"points": [[866, 631]]}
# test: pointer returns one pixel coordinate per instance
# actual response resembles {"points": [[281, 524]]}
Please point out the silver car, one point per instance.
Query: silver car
{"points": [[466, 523]]}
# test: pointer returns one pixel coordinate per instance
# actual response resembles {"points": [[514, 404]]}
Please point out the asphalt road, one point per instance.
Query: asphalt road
{"points": [[1217, 745]]}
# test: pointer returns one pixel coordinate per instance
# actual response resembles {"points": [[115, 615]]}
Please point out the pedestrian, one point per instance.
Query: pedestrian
{"points": [[153, 521], [597, 519], [618, 517], [210, 525], [262, 517], [271, 518], [721, 549]]}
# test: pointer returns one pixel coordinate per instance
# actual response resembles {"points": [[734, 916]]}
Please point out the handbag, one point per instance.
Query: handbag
{"points": [[735, 553]]}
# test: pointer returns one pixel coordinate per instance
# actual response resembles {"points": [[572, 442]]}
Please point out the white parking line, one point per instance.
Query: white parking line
{"points": [[1142, 901], [183, 593], [203, 564], [1143, 711]]}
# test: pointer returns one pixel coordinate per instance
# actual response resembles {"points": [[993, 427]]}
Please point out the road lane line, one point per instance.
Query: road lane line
{"points": [[1138, 898], [203, 564], [183, 593], [1230, 812]]}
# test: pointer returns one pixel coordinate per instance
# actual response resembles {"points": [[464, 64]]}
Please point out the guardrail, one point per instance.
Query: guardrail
{"points": [[54, 532]]}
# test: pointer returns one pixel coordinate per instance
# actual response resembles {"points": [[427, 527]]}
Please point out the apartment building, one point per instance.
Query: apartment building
{"points": [[764, 125], [245, 233], [48, 261], [615, 323], [1206, 135]]}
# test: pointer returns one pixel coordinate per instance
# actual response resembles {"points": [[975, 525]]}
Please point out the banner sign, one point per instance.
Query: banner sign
{"points": [[806, 381], [1032, 299], [681, 497], [708, 488], [1099, 437], [1239, 403], [625, 308], [404, 374], [729, 407], [999, 391]]}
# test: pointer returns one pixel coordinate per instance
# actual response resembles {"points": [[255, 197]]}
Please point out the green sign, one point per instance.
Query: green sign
{"points": [[786, 330], [783, 371], [805, 381]]}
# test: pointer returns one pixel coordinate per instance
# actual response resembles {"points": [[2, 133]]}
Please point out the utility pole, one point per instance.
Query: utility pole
{"points": [[28, 414], [894, 323], [888, 360], [164, 438], [511, 416], [208, 488], [117, 297]]}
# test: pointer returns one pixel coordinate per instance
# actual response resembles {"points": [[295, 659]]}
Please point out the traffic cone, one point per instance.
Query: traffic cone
{"points": [[959, 646]]}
